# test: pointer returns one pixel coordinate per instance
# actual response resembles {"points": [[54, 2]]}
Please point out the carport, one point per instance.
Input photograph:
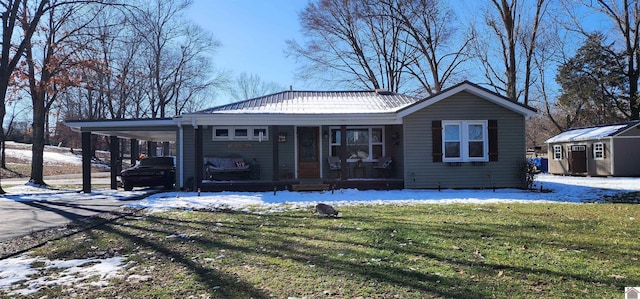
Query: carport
{"points": [[152, 130]]}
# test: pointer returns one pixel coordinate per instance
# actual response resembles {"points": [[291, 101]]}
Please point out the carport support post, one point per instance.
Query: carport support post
{"points": [[86, 162], [276, 153], [114, 149], [343, 153], [199, 156], [135, 151]]}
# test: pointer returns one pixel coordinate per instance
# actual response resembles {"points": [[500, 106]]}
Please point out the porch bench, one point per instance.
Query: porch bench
{"points": [[226, 168]]}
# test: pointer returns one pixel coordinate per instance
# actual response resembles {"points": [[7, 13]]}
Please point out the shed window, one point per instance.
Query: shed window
{"points": [[557, 152], [598, 151]]}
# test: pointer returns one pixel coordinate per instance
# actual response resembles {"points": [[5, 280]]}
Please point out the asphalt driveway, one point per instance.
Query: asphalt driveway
{"points": [[18, 218]]}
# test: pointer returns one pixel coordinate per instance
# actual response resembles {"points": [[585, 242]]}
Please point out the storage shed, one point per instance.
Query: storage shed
{"points": [[605, 150]]}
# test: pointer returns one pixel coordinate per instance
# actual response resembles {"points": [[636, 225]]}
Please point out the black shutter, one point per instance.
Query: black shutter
{"points": [[436, 138], [493, 140]]}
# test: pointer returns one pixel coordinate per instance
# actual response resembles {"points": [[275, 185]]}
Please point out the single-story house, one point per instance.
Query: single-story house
{"points": [[463, 137], [606, 150]]}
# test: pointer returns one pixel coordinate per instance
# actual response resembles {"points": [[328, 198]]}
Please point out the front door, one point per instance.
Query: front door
{"points": [[578, 159], [308, 153]]}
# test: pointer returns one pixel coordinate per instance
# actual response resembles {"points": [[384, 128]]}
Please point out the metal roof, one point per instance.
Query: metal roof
{"points": [[318, 102], [590, 133]]}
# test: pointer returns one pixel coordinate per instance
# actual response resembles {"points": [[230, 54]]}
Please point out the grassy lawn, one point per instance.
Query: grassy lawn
{"points": [[447, 251]]}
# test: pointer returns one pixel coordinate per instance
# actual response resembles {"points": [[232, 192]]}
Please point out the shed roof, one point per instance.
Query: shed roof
{"points": [[590, 133], [318, 102]]}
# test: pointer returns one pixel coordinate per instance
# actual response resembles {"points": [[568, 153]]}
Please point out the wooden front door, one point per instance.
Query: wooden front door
{"points": [[308, 153], [578, 159]]}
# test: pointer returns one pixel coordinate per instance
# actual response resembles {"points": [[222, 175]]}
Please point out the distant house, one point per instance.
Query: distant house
{"points": [[463, 137], [606, 150]]}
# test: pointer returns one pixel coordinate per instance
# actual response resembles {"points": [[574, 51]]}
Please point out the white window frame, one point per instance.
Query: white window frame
{"points": [[557, 152], [370, 139], [463, 126], [249, 137], [598, 148]]}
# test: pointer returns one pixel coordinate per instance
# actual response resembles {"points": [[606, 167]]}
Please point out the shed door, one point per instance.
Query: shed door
{"points": [[578, 159], [308, 153]]}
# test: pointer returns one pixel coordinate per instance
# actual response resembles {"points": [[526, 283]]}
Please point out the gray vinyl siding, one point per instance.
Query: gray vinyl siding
{"points": [[625, 156], [421, 172], [395, 151], [253, 151], [287, 159], [188, 157]]}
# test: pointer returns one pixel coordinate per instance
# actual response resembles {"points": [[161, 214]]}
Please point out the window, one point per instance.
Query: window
{"points": [[363, 143], [598, 151], [220, 133], [465, 141], [557, 152], [240, 133]]}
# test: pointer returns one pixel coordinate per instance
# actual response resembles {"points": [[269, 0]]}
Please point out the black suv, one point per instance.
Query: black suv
{"points": [[150, 171]]}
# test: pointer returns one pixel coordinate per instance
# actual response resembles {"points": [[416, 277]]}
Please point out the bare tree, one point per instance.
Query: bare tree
{"points": [[248, 86], [51, 74], [174, 54], [625, 15], [14, 43], [428, 24], [351, 45], [516, 27]]}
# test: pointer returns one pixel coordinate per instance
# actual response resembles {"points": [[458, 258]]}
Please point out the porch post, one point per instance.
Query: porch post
{"points": [[114, 150], [344, 171], [199, 162], [276, 153], [86, 162], [135, 151], [151, 149]]}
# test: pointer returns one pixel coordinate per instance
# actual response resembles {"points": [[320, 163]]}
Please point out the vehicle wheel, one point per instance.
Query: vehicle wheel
{"points": [[168, 186], [128, 187]]}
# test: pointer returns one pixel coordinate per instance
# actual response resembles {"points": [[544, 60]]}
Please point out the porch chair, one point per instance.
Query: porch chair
{"points": [[334, 166], [383, 167]]}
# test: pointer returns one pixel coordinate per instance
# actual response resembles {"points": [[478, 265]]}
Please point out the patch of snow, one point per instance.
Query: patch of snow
{"points": [[586, 133], [563, 190], [15, 273]]}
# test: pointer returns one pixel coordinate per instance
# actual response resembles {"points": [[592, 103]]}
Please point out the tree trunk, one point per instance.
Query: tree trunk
{"points": [[4, 82], [37, 149]]}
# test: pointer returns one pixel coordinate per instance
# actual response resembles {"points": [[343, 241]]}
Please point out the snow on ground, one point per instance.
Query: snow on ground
{"points": [[15, 272], [55, 156], [50, 158], [563, 190], [30, 192]]}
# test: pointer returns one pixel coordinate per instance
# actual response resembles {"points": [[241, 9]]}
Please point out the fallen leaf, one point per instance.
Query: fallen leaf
{"points": [[618, 277]]}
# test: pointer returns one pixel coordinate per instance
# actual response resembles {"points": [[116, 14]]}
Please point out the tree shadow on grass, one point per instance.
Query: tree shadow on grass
{"points": [[218, 283]]}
